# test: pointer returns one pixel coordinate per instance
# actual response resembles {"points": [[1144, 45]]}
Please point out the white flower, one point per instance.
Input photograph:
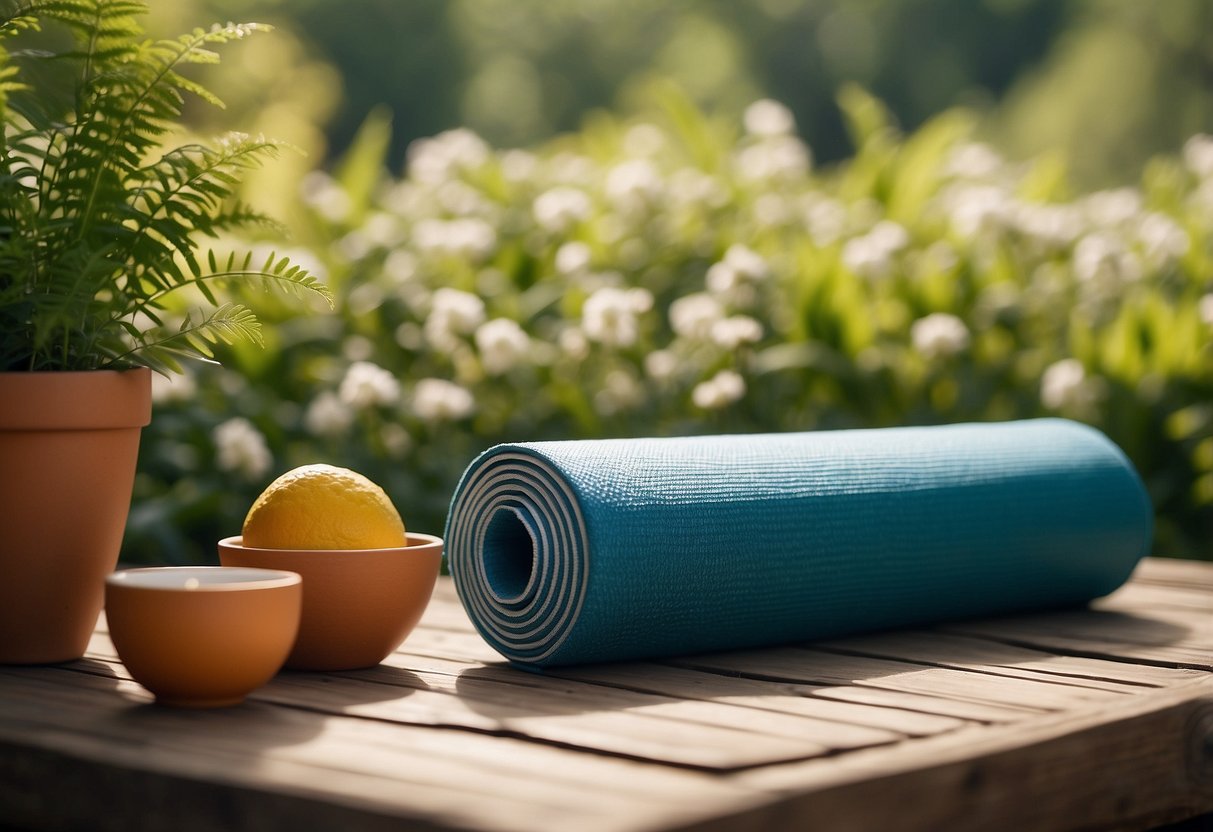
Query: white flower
{"points": [[353, 246], [739, 263], [1051, 226], [979, 210], [396, 440], [730, 333], [940, 256], [693, 188], [641, 300], [719, 391], [633, 182], [438, 400], [502, 344], [179, 387], [382, 229], [357, 347], [1205, 305], [452, 312], [771, 211], [863, 257], [518, 165], [973, 160], [573, 343], [619, 392], [408, 199], [325, 196], [721, 278], [465, 237], [1198, 155], [1101, 258], [1113, 208], [692, 316], [871, 255], [827, 220], [572, 258], [438, 158], [561, 208], [409, 336], [572, 168], [327, 415], [660, 365], [241, 448], [400, 266], [643, 140], [768, 118], [460, 199], [368, 385], [889, 235], [777, 157], [939, 335], [1064, 385], [746, 262], [1162, 240], [1201, 200], [610, 315]]}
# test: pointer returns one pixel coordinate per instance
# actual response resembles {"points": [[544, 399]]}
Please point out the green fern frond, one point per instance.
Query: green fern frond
{"points": [[99, 224], [197, 335]]}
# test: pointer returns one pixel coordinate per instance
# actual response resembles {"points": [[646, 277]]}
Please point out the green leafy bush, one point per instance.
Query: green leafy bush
{"points": [[679, 275]]}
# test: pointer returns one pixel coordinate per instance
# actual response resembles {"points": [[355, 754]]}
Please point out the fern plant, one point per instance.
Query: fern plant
{"points": [[101, 224]]}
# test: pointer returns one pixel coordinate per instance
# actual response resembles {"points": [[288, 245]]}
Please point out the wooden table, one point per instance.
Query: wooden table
{"points": [[1080, 719]]}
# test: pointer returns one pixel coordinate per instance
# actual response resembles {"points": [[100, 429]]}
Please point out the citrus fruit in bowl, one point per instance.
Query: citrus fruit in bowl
{"points": [[366, 580], [323, 507]]}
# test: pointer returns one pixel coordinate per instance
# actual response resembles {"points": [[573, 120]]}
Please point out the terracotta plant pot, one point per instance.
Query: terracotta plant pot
{"points": [[68, 447]]}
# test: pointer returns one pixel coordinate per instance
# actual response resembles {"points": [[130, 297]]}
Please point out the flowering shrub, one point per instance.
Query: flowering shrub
{"points": [[681, 276]]}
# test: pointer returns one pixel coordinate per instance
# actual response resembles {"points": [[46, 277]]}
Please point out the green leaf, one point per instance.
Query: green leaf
{"points": [[361, 168]]}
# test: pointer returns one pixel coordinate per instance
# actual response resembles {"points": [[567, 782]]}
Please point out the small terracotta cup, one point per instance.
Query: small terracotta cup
{"points": [[202, 636], [358, 604]]}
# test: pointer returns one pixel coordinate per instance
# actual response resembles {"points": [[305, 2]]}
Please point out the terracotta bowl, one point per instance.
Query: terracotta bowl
{"points": [[202, 636], [358, 604]]}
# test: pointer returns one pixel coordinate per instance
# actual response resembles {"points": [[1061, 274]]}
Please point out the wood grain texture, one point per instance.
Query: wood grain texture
{"points": [[1079, 719]]}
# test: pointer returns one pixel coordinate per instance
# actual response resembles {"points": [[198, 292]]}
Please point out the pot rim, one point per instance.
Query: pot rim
{"points": [[75, 399]]}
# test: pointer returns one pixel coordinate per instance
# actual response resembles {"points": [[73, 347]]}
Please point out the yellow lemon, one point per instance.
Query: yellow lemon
{"points": [[323, 507]]}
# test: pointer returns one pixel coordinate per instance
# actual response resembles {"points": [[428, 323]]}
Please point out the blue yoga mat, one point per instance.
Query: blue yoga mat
{"points": [[588, 551]]}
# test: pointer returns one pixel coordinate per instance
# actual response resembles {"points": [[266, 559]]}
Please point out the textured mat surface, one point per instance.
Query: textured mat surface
{"points": [[573, 552]]}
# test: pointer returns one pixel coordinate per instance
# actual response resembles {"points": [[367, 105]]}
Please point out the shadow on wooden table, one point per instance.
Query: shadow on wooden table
{"points": [[1034, 662]]}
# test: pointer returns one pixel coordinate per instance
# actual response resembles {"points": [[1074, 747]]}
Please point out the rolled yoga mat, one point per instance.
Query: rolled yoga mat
{"points": [[588, 551]]}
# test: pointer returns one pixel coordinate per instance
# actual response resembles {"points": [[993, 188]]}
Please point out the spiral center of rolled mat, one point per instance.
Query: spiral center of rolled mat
{"points": [[509, 554], [518, 552]]}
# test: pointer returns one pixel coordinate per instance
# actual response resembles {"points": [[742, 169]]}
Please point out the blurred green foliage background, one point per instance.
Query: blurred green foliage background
{"points": [[1108, 83], [939, 210]]}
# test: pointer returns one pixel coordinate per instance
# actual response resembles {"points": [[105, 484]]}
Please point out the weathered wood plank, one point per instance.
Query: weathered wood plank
{"points": [[451, 643], [1135, 763], [502, 700], [880, 709], [1164, 638], [751, 693], [979, 712], [1171, 572], [1138, 597], [1005, 724], [811, 665], [388, 770], [964, 652]]}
